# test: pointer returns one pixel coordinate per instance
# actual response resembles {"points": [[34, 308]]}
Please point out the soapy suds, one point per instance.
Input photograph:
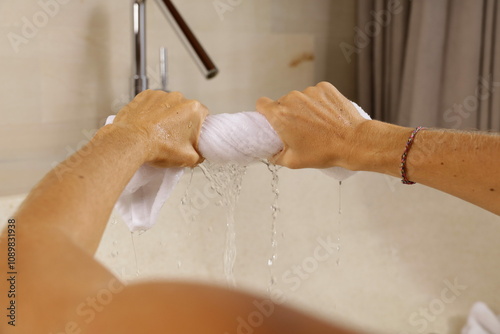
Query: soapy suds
{"points": [[226, 180]]}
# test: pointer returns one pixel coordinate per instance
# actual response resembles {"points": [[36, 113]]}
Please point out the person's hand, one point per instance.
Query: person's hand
{"points": [[169, 125], [317, 127]]}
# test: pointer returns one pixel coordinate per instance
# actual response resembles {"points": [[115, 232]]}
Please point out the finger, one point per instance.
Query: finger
{"points": [[201, 113], [326, 86], [193, 159], [265, 106], [311, 91], [173, 98], [284, 158], [204, 112], [291, 98], [263, 103], [277, 158], [328, 90]]}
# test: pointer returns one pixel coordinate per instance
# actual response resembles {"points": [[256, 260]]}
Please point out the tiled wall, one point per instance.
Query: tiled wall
{"points": [[399, 247], [66, 65]]}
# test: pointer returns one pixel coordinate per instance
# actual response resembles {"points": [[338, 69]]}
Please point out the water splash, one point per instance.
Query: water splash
{"points": [[189, 212], [340, 197], [226, 180], [339, 223], [137, 271], [186, 200], [114, 252], [275, 212]]}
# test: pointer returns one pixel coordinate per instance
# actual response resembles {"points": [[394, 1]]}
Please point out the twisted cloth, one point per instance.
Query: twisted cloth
{"points": [[240, 138]]}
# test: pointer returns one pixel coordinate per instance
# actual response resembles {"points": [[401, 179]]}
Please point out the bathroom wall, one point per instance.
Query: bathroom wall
{"points": [[393, 249], [66, 65]]}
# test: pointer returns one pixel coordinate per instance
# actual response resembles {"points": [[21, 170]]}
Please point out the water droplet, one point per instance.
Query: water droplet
{"points": [[340, 198], [186, 200]]}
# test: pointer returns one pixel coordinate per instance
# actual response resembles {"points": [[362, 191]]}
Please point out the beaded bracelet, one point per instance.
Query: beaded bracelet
{"points": [[405, 155]]}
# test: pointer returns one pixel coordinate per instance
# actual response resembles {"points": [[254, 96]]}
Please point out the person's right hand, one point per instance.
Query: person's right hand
{"points": [[317, 127], [168, 123]]}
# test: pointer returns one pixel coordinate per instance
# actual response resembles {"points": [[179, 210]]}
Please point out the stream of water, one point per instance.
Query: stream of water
{"points": [[226, 180]]}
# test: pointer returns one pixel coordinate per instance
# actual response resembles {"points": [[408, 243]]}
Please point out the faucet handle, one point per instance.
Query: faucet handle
{"points": [[163, 68]]}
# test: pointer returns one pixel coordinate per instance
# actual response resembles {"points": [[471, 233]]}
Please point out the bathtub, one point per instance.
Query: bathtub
{"points": [[395, 259]]}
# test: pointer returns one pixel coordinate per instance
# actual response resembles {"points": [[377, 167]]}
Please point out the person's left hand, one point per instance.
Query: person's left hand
{"points": [[168, 124]]}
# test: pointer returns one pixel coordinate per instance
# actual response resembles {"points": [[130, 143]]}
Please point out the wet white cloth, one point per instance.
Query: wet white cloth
{"points": [[240, 137], [482, 320]]}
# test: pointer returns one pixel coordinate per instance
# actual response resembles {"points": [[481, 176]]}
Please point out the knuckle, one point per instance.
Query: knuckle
{"points": [[194, 104], [292, 96], [176, 95], [193, 159], [147, 93], [262, 101], [310, 90], [290, 163], [324, 84]]}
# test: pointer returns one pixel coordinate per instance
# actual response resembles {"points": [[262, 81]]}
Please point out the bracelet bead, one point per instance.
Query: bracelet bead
{"points": [[409, 143]]}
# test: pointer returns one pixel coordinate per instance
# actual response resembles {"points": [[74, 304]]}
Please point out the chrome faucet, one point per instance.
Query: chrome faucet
{"points": [[140, 78]]}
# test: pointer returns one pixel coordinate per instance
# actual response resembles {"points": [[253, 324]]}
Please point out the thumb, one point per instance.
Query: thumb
{"points": [[263, 105], [284, 158]]}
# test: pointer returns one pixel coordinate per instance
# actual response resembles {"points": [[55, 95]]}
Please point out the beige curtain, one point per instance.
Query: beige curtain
{"points": [[430, 62]]}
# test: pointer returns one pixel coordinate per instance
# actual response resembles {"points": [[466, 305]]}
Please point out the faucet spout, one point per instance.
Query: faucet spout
{"points": [[139, 78], [196, 50], [194, 47]]}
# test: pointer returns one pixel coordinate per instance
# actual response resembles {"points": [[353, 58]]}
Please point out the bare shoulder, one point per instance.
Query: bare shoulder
{"points": [[178, 307]]}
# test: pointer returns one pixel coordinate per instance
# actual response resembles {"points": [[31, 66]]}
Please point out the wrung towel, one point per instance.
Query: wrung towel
{"points": [[482, 320], [241, 138]]}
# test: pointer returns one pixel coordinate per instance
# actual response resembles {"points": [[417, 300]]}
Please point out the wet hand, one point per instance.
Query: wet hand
{"points": [[168, 124], [318, 127]]}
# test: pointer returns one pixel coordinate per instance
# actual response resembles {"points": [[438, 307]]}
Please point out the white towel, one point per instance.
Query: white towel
{"points": [[241, 138], [482, 320]]}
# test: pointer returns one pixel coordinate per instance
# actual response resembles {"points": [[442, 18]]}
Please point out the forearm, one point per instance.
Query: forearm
{"points": [[463, 164], [77, 197]]}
